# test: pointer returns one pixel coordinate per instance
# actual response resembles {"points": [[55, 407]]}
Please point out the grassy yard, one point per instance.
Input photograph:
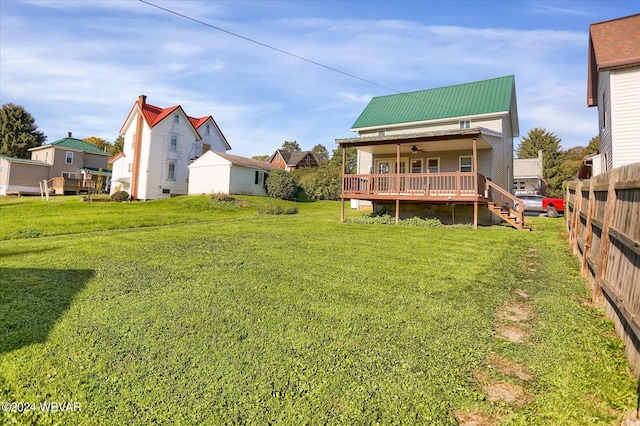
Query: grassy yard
{"points": [[184, 311]]}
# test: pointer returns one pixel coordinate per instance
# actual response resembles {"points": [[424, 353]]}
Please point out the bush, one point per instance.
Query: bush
{"points": [[120, 196], [324, 183], [281, 185]]}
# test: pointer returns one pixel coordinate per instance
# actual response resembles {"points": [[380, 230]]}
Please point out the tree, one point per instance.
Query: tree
{"points": [[552, 157], [291, 146], [118, 145], [281, 184], [321, 154], [18, 132], [99, 143], [261, 157], [351, 162], [573, 157]]}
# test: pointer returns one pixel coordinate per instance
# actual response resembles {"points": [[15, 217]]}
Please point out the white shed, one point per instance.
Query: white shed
{"points": [[217, 172]]}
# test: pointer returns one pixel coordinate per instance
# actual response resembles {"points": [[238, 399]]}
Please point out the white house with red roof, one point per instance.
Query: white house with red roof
{"points": [[159, 145]]}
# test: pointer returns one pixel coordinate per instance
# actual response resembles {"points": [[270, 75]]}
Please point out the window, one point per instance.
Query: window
{"points": [[176, 119], [166, 191], [466, 124], [257, 178], [173, 146], [130, 167], [433, 165], [466, 164], [521, 184], [69, 175], [69, 158], [308, 159], [208, 130], [171, 175], [381, 132], [277, 157], [416, 165]]}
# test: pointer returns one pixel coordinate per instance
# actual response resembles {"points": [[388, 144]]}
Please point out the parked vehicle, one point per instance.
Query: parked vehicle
{"points": [[553, 206], [532, 203]]}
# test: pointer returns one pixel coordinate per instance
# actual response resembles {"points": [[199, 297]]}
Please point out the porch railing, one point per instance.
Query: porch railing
{"points": [[415, 184]]}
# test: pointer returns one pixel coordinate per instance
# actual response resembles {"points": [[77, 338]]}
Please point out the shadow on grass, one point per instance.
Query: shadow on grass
{"points": [[32, 300]]}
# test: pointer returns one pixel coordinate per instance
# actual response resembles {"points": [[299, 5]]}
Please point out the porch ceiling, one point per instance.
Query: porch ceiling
{"points": [[453, 140]]}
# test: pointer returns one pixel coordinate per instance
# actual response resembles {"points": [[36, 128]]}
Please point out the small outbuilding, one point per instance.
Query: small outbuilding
{"points": [[217, 172]]}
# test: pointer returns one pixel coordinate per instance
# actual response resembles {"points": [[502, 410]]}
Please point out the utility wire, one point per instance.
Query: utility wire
{"points": [[173, 12]]}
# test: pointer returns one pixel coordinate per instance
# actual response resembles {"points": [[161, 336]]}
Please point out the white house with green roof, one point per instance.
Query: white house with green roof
{"points": [[68, 164], [445, 152]]}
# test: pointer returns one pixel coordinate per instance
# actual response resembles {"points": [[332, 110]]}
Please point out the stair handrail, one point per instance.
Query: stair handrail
{"points": [[515, 201]]}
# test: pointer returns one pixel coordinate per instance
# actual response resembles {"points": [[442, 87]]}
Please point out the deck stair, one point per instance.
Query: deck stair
{"points": [[508, 215]]}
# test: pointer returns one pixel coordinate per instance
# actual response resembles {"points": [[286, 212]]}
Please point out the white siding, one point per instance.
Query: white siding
{"points": [[625, 116], [605, 108], [214, 139], [491, 123], [243, 181]]}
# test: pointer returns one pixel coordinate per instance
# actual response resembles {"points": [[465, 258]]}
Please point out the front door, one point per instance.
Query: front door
{"points": [[388, 166]]}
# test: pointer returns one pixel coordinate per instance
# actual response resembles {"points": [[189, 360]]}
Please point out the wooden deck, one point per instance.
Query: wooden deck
{"points": [[425, 187], [62, 185]]}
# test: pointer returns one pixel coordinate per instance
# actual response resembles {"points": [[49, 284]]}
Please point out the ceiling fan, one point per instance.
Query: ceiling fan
{"points": [[415, 149]]}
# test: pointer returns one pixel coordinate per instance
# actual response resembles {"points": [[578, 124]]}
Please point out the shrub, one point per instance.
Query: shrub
{"points": [[324, 183], [281, 185], [120, 196]]}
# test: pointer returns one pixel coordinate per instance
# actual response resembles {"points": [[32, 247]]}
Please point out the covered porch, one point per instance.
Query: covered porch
{"points": [[402, 172]]}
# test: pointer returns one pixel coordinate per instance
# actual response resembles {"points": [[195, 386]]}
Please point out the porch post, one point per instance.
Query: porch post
{"points": [[344, 156], [397, 183], [475, 170]]}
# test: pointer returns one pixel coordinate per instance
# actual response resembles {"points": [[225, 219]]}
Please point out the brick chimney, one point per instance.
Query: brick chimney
{"points": [[137, 144], [68, 134]]}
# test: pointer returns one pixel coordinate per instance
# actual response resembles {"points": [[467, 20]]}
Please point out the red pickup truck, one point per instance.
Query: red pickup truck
{"points": [[553, 206]]}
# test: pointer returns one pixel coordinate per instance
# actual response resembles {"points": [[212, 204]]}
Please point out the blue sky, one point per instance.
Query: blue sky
{"points": [[80, 65]]}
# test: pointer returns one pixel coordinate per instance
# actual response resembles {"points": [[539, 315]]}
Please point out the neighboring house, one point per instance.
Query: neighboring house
{"points": [[68, 165], [613, 85], [217, 172], [159, 145], [22, 176], [288, 161], [445, 153], [527, 175]]}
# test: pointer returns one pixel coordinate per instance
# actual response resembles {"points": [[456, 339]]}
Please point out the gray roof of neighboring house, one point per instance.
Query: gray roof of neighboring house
{"points": [[291, 158], [244, 161]]}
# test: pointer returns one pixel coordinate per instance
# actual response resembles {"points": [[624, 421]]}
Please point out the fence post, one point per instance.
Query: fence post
{"points": [[588, 229], [577, 206], [605, 239]]}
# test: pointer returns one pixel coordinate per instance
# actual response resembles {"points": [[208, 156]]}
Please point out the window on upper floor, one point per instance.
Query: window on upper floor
{"points": [[308, 159], [277, 157], [465, 124], [176, 119], [207, 130], [173, 146], [69, 157]]}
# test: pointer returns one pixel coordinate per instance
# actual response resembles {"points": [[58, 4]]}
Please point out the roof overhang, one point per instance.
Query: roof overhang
{"points": [[445, 140]]}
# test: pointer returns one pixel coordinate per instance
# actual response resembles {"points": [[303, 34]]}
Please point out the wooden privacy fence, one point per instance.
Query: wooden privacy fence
{"points": [[603, 220]]}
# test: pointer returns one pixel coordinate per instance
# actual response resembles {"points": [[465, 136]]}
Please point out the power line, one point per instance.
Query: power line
{"points": [[206, 24]]}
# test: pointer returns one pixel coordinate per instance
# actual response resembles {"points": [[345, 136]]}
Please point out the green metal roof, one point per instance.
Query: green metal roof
{"points": [[78, 144], [481, 97], [24, 160]]}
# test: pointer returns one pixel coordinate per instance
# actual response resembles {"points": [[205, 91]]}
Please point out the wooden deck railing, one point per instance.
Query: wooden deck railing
{"points": [[415, 184]]}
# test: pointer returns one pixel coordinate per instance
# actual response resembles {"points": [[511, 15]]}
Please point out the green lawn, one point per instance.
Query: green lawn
{"points": [[186, 312]]}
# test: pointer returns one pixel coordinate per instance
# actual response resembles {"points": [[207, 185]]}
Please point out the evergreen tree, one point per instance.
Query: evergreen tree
{"points": [[552, 157], [18, 132], [291, 146], [321, 154]]}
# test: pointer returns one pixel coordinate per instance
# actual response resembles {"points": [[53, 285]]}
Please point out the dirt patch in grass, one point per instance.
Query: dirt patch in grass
{"points": [[474, 418], [508, 367], [515, 333], [506, 392], [516, 312]]}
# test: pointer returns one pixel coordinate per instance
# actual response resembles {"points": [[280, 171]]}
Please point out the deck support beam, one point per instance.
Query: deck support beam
{"points": [[397, 211]]}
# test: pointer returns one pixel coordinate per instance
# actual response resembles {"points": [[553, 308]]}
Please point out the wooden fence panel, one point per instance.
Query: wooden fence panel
{"points": [[603, 224]]}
